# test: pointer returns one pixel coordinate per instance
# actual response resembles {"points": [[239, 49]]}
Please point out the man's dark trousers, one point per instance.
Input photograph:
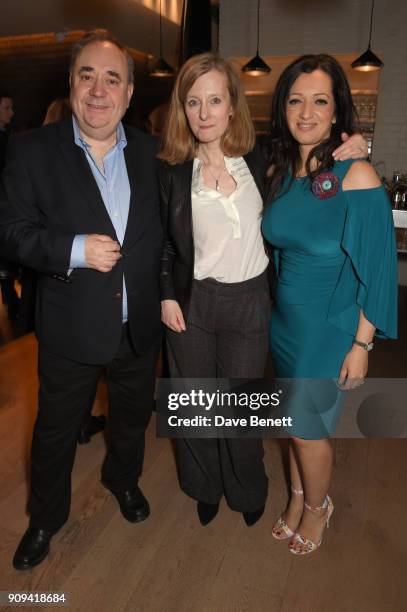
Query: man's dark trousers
{"points": [[66, 390]]}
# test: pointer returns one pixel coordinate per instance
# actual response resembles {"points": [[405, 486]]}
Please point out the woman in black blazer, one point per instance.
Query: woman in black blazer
{"points": [[214, 281]]}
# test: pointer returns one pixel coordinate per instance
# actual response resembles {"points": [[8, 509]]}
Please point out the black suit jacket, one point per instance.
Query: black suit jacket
{"points": [[49, 195], [4, 135], [7, 269], [177, 263]]}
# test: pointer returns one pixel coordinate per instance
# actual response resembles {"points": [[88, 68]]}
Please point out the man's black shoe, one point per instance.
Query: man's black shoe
{"points": [[33, 548], [207, 512], [133, 505], [95, 424], [252, 517]]}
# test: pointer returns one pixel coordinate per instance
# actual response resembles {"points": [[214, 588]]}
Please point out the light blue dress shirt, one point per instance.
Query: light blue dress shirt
{"points": [[114, 186]]}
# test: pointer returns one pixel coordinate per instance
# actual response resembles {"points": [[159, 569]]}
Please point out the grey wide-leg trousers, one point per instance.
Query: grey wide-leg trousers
{"points": [[226, 337]]}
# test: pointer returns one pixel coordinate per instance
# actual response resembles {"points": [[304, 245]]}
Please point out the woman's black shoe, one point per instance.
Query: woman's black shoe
{"points": [[252, 517], [207, 512], [93, 426]]}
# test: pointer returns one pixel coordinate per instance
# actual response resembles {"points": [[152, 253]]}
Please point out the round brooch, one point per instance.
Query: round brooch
{"points": [[325, 185]]}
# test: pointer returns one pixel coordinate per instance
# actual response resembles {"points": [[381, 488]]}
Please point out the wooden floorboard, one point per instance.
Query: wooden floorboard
{"points": [[171, 563]]}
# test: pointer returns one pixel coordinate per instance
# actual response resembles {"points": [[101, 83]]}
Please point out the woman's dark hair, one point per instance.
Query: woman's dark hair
{"points": [[283, 150]]}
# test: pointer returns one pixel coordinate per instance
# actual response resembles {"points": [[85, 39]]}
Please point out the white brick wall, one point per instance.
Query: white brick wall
{"points": [[294, 27], [390, 139]]}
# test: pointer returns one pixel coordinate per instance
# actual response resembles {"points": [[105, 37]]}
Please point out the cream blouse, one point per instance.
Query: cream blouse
{"points": [[227, 238]]}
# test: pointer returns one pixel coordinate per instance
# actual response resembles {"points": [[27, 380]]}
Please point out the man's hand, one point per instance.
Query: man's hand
{"points": [[171, 315], [353, 147], [101, 252]]}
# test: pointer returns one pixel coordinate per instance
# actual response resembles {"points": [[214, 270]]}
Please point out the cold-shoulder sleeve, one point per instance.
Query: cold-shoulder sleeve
{"points": [[368, 279]]}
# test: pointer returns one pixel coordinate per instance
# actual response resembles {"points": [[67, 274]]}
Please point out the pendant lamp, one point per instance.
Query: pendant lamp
{"points": [[257, 66], [368, 61], [162, 68]]}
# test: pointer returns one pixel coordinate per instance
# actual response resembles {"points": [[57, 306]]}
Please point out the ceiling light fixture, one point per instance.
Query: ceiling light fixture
{"points": [[368, 61], [162, 68], [257, 66]]}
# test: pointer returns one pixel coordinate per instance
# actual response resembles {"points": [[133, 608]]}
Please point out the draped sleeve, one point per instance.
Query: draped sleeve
{"points": [[368, 279]]}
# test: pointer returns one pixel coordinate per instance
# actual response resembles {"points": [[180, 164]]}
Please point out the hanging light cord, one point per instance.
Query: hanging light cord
{"points": [[371, 23], [160, 33], [258, 25]]}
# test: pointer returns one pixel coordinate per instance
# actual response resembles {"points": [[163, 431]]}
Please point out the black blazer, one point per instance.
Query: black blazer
{"points": [[4, 136], [47, 196], [177, 262]]}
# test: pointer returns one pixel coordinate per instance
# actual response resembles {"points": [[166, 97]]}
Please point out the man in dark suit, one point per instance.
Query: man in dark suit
{"points": [[79, 204], [8, 271], [6, 115]]}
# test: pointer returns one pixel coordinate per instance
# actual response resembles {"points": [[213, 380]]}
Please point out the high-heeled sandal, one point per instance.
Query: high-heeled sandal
{"points": [[280, 530], [308, 546]]}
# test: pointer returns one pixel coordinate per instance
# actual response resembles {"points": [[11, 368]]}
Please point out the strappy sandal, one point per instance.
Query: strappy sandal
{"points": [[280, 530], [308, 546]]}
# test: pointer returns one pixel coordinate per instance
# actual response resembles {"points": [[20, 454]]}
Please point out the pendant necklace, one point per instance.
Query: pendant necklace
{"points": [[213, 176]]}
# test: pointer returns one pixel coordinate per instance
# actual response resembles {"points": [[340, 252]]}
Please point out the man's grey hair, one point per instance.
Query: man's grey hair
{"points": [[101, 36]]}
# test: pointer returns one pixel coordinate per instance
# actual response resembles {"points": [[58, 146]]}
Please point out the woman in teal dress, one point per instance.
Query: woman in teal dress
{"points": [[331, 227]]}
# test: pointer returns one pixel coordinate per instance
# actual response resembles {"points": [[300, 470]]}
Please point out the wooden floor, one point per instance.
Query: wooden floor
{"points": [[170, 562]]}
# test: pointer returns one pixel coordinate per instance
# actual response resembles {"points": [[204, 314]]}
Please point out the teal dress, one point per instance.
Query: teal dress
{"points": [[335, 254]]}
